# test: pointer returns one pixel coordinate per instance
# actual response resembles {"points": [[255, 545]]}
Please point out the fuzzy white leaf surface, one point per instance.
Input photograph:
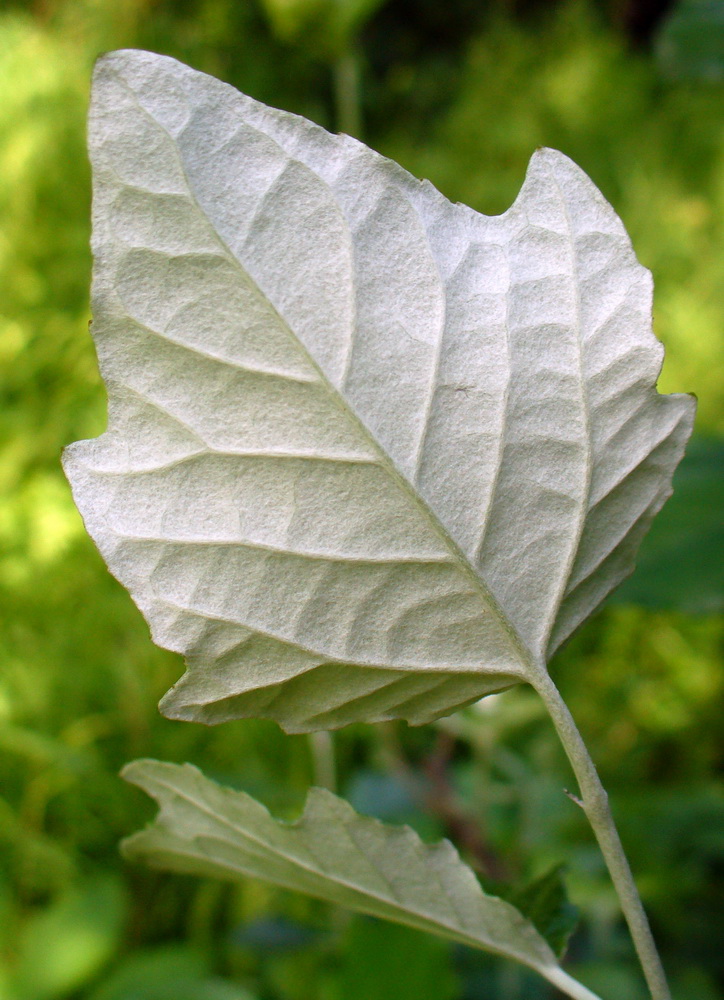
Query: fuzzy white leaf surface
{"points": [[334, 854], [370, 454]]}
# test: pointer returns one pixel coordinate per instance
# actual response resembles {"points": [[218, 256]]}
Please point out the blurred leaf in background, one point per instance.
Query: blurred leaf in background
{"points": [[69, 942], [681, 565], [544, 901], [690, 43], [392, 962], [167, 973]]}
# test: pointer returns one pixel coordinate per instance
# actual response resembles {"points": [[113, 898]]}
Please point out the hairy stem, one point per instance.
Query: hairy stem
{"points": [[594, 802]]}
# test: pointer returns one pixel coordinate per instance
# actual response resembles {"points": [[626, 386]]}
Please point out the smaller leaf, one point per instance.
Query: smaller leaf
{"points": [[335, 854], [544, 901]]}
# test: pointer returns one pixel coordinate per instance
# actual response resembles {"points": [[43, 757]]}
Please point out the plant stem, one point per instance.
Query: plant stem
{"points": [[321, 745], [594, 802], [346, 94]]}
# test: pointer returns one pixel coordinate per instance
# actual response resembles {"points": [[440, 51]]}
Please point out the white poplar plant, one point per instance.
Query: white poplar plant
{"points": [[370, 455]]}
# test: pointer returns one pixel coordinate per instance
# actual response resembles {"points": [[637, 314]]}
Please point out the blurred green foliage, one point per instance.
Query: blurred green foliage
{"points": [[461, 93], [691, 42]]}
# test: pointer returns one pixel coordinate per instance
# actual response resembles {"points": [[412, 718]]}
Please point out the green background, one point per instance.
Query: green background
{"points": [[460, 92]]}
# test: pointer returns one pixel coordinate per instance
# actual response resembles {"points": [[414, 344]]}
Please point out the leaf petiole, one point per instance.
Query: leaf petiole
{"points": [[570, 986], [594, 802]]}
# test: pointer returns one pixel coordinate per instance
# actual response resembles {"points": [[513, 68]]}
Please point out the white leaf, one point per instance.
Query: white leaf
{"points": [[370, 454], [334, 854]]}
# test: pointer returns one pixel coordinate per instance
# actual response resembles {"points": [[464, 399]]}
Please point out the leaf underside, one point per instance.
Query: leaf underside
{"points": [[370, 454], [331, 853]]}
